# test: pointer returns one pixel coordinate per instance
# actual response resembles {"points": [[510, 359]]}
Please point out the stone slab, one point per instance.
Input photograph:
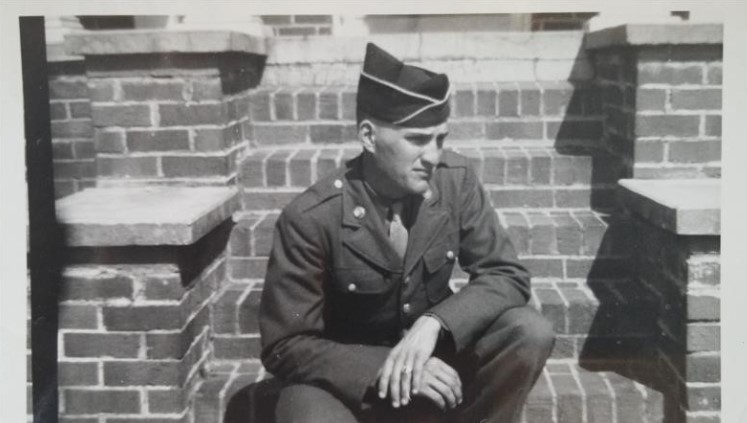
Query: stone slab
{"points": [[682, 206], [655, 34], [162, 41], [108, 217]]}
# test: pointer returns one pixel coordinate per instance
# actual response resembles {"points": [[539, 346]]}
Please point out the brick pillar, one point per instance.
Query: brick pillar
{"points": [[135, 303], [677, 260], [661, 93], [169, 107]]}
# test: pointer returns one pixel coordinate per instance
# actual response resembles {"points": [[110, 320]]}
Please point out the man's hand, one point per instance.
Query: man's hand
{"points": [[403, 369], [441, 384]]}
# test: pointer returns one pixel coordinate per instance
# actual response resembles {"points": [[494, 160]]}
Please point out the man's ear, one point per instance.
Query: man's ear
{"points": [[367, 135]]}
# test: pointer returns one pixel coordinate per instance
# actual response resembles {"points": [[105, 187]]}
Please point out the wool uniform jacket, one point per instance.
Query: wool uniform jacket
{"points": [[337, 297]]}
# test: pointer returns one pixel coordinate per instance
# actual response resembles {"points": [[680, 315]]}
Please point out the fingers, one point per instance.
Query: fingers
{"points": [[417, 372], [430, 393], [406, 379], [447, 376], [395, 380], [446, 392], [386, 374]]}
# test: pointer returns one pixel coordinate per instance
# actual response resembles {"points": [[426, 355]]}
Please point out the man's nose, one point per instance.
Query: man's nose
{"points": [[431, 153]]}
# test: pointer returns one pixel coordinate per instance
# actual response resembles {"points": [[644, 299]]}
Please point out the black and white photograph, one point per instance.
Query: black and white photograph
{"points": [[247, 213]]}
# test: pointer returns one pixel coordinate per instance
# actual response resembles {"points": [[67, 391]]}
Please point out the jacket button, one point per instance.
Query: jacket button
{"points": [[406, 308], [352, 287], [450, 255], [407, 280], [359, 212], [337, 183]]}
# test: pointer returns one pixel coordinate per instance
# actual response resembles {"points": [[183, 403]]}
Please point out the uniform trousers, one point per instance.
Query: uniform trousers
{"points": [[497, 373]]}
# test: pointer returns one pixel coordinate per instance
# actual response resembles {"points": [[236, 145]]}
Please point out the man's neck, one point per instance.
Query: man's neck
{"points": [[378, 183]]}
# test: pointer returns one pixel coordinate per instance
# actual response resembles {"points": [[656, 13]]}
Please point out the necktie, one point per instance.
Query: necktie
{"points": [[397, 230]]}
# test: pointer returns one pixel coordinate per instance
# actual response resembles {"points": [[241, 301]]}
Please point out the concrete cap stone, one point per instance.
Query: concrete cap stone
{"points": [[655, 34], [682, 206], [107, 217], [162, 41]]}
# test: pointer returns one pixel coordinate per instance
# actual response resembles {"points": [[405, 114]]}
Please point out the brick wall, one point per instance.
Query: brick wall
{"points": [[169, 121], [662, 107], [298, 25], [682, 276], [72, 128], [560, 21]]}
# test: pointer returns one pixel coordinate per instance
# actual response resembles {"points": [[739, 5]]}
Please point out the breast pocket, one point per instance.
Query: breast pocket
{"points": [[439, 263], [357, 295]]}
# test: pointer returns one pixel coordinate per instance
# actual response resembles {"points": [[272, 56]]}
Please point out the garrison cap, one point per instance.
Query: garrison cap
{"points": [[400, 94]]}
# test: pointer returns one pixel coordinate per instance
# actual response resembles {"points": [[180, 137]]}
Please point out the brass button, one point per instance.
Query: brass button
{"points": [[337, 183], [352, 287], [450, 255], [407, 280], [406, 308], [359, 212]]}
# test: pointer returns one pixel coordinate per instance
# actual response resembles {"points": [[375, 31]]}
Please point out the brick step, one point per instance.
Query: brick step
{"points": [[536, 234], [566, 392], [516, 165], [599, 319]]}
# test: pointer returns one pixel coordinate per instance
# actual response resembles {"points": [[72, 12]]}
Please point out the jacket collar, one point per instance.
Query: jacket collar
{"points": [[368, 235]]}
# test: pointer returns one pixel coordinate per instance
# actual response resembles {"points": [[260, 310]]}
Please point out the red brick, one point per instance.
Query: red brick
{"points": [[514, 130], [172, 401], [662, 74], [260, 104], [518, 229], [629, 404], [163, 287], [276, 19], [570, 401], [324, 134], [599, 268], [326, 162], [703, 368], [252, 169], [101, 345], [565, 347], [599, 407], [495, 164], [300, 168], [195, 166], [93, 401], [101, 286], [232, 348], [139, 373], [248, 268], [193, 114], [650, 99], [695, 151], [263, 235], [539, 404], [486, 101], [306, 104], [466, 130], [149, 90], [236, 109], [62, 150], [581, 312], [72, 129], [703, 307], [474, 156], [101, 90], [667, 125], [542, 234], [109, 142], [77, 373], [556, 100], [510, 198], [143, 318], [574, 130], [312, 19], [715, 74], [67, 89], [80, 109], [84, 149], [267, 200], [249, 312], [568, 231], [283, 101], [464, 100], [593, 229], [240, 240], [225, 316], [210, 139], [207, 89], [699, 99], [296, 31], [276, 165], [162, 140], [530, 102], [703, 337], [58, 110], [74, 169], [77, 316], [713, 125], [544, 267], [540, 167], [279, 134], [649, 151], [517, 167], [553, 308], [573, 198], [704, 398], [118, 115], [329, 103], [127, 166]]}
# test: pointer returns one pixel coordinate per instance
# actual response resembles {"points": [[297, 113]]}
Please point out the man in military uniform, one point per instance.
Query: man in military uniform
{"points": [[357, 316]]}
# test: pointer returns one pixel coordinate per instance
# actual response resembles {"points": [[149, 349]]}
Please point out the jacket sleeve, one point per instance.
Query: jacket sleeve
{"points": [[497, 281], [291, 318]]}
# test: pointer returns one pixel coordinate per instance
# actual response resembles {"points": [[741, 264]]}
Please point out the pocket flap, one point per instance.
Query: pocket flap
{"points": [[361, 281]]}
